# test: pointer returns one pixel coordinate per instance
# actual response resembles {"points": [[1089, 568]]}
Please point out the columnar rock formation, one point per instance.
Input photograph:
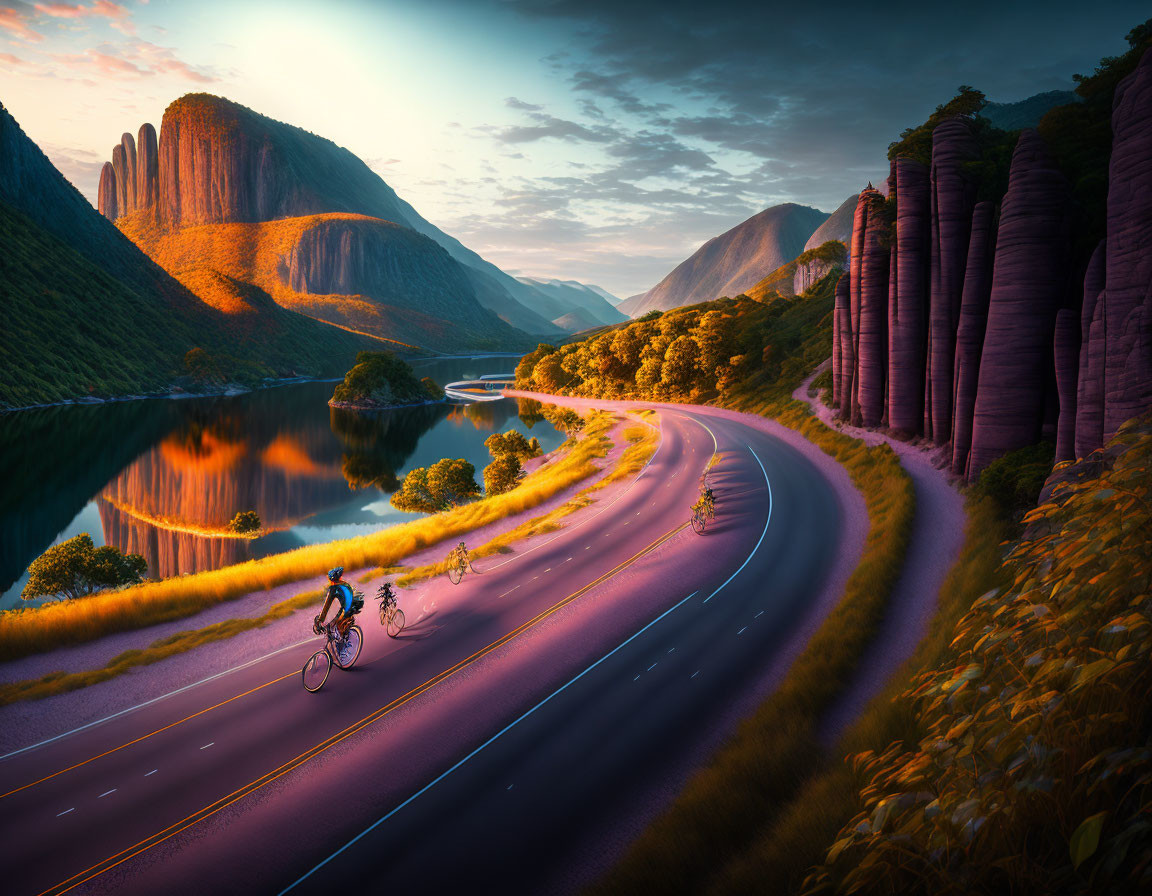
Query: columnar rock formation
{"points": [[842, 358], [1029, 282], [106, 192], [871, 336], [1127, 296], [953, 195], [970, 331], [147, 168], [907, 326], [1090, 385]]}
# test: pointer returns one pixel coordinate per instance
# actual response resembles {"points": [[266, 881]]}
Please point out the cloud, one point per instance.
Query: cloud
{"points": [[99, 9], [544, 126], [134, 59], [13, 19]]}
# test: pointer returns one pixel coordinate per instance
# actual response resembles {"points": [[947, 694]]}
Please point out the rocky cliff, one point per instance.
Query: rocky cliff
{"points": [[1000, 330], [218, 162]]}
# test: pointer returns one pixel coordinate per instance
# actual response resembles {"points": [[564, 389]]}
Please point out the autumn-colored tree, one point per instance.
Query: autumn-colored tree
{"points": [[245, 521], [445, 484], [76, 567], [503, 474], [514, 443], [680, 363]]}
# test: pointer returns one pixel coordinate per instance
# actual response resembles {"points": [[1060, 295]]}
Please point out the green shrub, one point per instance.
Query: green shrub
{"points": [[447, 483], [382, 379], [244, 522], [76, 567], [1014, 481], [503, 474]]}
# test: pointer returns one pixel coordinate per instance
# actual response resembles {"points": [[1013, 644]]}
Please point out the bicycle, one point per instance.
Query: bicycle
{"points": [[343, 649], [391, 616], [703, 512], [458, 564]]}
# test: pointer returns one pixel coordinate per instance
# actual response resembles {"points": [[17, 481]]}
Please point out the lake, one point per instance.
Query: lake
{"points": [[164, 477]]}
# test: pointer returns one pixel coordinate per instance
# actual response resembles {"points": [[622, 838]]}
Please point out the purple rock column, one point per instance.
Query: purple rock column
{"points": [[106, 192], [953, 195], [147, 168], [970, 331], [872, 348], [1066, 352], [908, 313], [844, 342], [1029, 281], [1090, 387]]}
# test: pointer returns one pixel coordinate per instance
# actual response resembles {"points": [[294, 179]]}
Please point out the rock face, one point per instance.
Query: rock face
{"points": [[147, 168], [872, 326], [970, 332], [106, 192], [843, 363], [810, 273], [907, 324], [1127, 297], [128, 145], [953, 195], [837, 227], [1066, 353], [1090, 385], [1028, 283]]}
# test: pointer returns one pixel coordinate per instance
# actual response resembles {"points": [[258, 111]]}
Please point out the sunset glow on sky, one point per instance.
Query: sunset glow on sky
{"points": [[590, 140]]}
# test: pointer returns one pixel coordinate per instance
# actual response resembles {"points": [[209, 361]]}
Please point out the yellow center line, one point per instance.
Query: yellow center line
{"points": [[238, 794]]}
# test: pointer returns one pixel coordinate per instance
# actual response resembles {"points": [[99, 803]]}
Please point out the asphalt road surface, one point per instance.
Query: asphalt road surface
{"points": [[502, 742]]}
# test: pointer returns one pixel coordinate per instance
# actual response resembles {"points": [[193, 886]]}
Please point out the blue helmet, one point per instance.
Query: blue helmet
{"points": [[334, 574]]}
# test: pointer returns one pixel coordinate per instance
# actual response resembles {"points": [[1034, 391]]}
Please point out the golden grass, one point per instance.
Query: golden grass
{"points": [[596, 444], [180, 642], [35, 630]]}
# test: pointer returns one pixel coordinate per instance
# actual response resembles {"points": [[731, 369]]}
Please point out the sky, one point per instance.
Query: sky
{"points": [[596, 140]]}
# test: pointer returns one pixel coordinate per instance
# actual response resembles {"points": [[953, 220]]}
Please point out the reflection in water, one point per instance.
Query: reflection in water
{"points": [[164, 478]]}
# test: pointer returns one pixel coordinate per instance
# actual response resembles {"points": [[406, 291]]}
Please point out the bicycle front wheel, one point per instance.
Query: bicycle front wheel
{"points": [[395, 623], [348, 652], [315, 671], [698, 523], [455, 574]]}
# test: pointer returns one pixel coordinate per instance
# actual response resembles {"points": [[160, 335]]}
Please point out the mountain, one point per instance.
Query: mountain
{"points": [[1027, 112], [733, 262], [802, 272], [837, 227], [578, 321], [217, 162], [570, 295], [87, 314]]}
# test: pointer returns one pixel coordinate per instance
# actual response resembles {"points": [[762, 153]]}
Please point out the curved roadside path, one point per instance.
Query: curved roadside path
{"points": [[543, 706], [937, 537]]}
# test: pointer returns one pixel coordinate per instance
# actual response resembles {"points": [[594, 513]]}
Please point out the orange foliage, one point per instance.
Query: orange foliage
{"points": [[209, 454]]}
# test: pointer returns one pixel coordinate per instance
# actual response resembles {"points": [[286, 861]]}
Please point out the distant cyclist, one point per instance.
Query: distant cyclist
{"points": [[707, 499], [340, 592], [459, 555]]}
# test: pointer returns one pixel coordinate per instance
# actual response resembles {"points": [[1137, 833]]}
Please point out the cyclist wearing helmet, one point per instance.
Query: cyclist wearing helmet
{"points": [[341, 592], [460, 554]]}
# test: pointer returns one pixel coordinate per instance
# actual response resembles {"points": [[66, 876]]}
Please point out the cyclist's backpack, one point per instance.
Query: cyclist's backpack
{"points": [[357, 602]]}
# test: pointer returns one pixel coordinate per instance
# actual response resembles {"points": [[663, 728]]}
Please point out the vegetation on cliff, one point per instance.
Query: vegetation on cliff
{"points": [[381, 380]]}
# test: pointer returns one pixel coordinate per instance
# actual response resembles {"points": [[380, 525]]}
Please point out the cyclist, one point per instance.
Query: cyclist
{"points": [[707, 499], [341, 592], [459, 556]]}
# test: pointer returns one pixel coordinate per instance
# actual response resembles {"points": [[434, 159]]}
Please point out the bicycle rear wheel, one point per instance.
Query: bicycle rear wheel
{"points": [[315, 671], [455, 574], [698, 522], [395, 623], [349, 652]]}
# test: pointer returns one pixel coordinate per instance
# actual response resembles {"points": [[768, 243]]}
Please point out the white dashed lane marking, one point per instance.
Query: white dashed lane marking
{"points": [[152, 772], [758, 615], [650, 668], [206, 746], [509, 591], [105, 793], [66, 811], [694, 674], [742, 630]]}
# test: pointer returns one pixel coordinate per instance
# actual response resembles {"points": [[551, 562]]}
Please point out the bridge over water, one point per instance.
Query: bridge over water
{"points": [[489, 387]]}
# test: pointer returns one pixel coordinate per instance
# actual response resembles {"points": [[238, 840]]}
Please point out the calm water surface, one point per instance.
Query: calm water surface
{"points": [[159, 478]]}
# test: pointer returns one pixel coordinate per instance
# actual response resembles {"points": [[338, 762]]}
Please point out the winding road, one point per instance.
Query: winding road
{"points": [[513, 740]]}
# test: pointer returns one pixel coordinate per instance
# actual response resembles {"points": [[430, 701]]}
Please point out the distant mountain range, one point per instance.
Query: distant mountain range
{"points": [[577, 301], [733, 262]]}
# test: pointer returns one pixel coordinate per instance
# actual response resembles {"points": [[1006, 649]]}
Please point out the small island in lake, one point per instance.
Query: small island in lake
{"points": [[381, 380]]}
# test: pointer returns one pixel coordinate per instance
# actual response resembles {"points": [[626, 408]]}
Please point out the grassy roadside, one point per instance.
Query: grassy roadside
{"points": [[643, 441], [180, 642], [35, 630], [797, 838], [716, 818]]}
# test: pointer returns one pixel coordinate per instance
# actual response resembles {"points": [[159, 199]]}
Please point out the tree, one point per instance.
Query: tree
{"points": [[444, 484], [503, 474], [199, 364], [76, 567], [564, 419], [651, 315], [244, 522], [527, 365], [382, 379], [680, 362], [514, 443]]}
